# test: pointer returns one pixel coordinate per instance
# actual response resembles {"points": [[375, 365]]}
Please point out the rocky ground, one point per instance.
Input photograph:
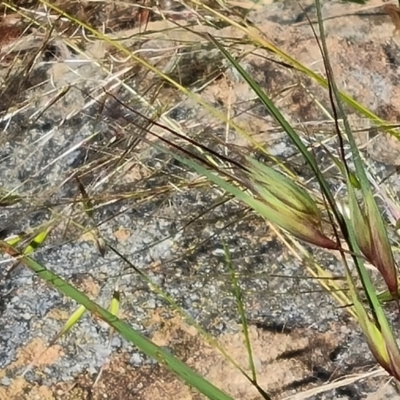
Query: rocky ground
{"points": [[62, 114]]}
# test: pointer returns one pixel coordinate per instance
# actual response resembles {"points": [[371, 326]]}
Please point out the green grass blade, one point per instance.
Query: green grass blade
{"points": [[184, 372], [71, 322], [239, 301]]}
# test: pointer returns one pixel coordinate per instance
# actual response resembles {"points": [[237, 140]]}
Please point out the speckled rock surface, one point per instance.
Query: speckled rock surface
{"points": [[175, 233]]}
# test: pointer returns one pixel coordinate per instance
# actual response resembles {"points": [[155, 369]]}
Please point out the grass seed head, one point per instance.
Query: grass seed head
{"points": [[288, 205], [372, 239]]}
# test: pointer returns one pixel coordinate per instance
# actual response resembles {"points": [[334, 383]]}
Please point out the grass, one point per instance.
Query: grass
{"points": [[134, 157]]}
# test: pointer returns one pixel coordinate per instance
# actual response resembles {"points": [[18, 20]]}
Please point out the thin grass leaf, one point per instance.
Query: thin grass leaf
{"points": [[355, 1], [385, 296], [239, 301], [8, 199], [185, 373], [34, 241], [37, 241], [14, 240], [114, 305], [113, 309], [71, 322], [32, 245], [87, 202], [115, 302], [341, 167]]}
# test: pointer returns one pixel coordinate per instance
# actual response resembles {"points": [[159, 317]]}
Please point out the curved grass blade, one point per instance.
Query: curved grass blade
{"points": [[239, 300]]}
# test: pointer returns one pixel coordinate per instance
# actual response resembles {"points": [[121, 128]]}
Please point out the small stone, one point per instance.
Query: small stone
{"points": [[5, 381], [136, 360]]}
